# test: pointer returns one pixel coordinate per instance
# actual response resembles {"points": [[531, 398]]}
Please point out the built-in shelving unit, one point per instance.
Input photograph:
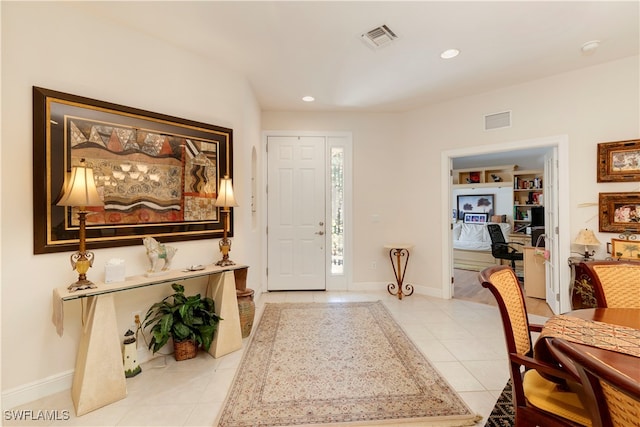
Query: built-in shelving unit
{"points": [[493, 176], [526, 185], [527, 193]]}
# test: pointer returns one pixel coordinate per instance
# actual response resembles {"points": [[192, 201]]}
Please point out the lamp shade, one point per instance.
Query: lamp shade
{"points": [[225, 198], [586, 238], [80, 189]]}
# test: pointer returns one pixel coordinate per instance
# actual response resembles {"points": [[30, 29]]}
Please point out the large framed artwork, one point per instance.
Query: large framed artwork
{"points": [[619, 212], [475, 203], [619, 161], [157, 174]]}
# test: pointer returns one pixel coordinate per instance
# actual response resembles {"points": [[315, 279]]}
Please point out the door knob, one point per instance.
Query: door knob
{"points": [[320, 233], [321, 223]]}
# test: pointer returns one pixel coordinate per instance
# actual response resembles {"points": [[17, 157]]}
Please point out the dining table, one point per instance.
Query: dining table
{"points": [[609, 334]]}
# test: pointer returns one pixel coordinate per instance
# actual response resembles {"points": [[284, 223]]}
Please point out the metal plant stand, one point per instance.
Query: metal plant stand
{"points": [[400, 252]]}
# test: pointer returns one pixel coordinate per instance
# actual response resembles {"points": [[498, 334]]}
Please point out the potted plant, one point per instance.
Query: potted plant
{"points": [[190, 321]]}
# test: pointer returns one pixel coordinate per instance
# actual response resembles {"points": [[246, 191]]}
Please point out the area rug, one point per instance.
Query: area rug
{"points": [[337, 364], [503, 414]]}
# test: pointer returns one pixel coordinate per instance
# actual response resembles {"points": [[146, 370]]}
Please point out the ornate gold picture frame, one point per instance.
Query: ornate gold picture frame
{"points": [[619, 212], [619, 161]]}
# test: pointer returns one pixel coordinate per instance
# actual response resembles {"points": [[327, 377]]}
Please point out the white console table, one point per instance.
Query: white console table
{"points": [[99, 377]]}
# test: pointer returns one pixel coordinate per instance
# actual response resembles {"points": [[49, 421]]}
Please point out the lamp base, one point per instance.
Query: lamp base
{"points": [[224, 262], [586, 256], [225, 248], [81, 284]]}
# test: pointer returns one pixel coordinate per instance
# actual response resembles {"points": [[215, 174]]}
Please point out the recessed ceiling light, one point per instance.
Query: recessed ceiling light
{"points": [[308, 98], [449, 53]]}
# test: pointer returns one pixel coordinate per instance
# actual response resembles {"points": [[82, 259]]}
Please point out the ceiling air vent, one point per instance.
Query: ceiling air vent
{"points": [[497, 120], [379, 36]]}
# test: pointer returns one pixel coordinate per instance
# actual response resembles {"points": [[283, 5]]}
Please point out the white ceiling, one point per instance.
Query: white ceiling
{"points": [[291, 49]]}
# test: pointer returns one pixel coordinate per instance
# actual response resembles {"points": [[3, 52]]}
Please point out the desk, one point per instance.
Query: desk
{"points": [[99, 379], [602, 344], [520, 240], [534, 273]]}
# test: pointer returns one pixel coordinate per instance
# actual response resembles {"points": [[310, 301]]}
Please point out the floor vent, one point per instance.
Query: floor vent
{"points": [[379, 36], [497, 120]]}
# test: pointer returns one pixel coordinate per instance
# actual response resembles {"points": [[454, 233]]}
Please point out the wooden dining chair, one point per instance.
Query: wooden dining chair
{"points": [[613, 398], [616, 284], [537, 401]]}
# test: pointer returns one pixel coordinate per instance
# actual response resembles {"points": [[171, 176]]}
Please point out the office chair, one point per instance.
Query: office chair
{"points": [[500, 249]]}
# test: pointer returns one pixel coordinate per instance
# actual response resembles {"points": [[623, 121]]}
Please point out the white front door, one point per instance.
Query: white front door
{"points": [[296, 230]]}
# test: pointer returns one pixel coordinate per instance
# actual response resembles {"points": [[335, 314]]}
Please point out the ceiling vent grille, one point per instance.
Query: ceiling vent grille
{"points": [[497, 120], [379, 36]]}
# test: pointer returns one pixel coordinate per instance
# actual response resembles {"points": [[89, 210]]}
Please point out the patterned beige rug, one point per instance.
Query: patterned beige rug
{"points": [[337, 364]]}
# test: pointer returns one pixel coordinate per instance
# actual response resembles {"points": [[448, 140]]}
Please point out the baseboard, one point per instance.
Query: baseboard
{"points": [[37, 390], [377, 286]]}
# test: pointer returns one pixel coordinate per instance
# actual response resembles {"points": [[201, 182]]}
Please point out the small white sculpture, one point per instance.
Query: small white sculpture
{"points": [[157, 251]]}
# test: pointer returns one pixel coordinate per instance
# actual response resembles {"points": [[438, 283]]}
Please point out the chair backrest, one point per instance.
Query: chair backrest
{"points": [[616, 284], [495, 232], [498, 243], [504, 285], [614, 398]]}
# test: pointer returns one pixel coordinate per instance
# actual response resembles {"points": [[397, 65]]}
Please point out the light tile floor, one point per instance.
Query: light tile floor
{"points": [[462, 339]]}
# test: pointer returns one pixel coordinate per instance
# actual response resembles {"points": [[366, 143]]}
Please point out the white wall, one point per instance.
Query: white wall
{"points": [[54, 46]]}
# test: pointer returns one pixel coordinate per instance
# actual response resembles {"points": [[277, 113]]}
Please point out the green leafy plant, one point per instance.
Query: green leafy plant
{"points": [[182, 318]]}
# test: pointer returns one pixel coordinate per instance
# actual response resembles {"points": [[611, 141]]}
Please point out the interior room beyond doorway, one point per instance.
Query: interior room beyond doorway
{"points": [[500, 189]]}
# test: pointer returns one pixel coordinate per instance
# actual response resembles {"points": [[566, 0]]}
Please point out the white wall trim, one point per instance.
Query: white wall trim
{"points": [[560, 141], [37, 390]]}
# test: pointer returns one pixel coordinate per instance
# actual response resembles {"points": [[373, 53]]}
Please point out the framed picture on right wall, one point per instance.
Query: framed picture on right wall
{"points": [[625, 249], [619, 212], [619, 161]]}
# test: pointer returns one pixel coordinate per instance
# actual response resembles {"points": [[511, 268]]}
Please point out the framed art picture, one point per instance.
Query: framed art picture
{"points": [[475, 218], [619, 212], [476, 203], [619, 161], [157, 174], [625, 249]]}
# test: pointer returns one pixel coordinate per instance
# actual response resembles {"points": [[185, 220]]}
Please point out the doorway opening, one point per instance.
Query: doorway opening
{"points": [[557, 277]]}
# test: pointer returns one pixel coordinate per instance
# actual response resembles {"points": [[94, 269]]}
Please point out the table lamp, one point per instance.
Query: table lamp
{"points": [[225, 200], [586, 238], [80, 191]]}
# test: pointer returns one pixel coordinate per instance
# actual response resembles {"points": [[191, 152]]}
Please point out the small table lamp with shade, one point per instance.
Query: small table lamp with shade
{"points": [[587, 238], [79, 190], [225, 200]]}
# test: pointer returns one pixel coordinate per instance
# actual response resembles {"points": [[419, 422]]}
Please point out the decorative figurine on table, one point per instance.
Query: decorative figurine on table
{"points": [[130, 355], [156, 251]]}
